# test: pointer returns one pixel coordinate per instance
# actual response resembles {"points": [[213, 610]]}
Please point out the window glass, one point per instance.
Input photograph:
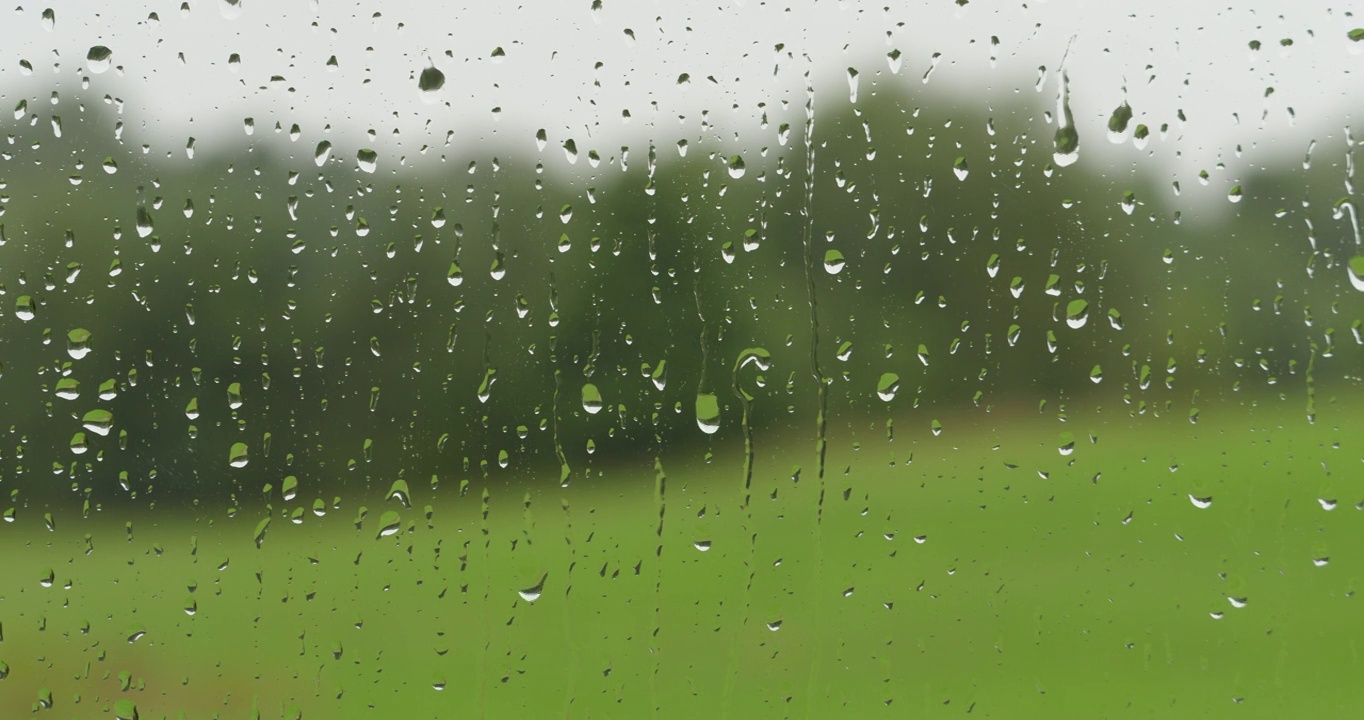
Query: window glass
{"points": [[634, 359]]}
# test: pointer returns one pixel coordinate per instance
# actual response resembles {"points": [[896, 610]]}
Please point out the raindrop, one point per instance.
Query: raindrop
{"points": [[1118, 122], [99, 58], [1202, 503], [887, 386], [324, 151], [833, 262], [430, 82], [708, 413], [389, 524], [367, 159], [100, 422], [23, 308], [1077, 313], [1067, 138], [1355, 269], [237, 455], [736, 167], [78, 343], [533, 593], [592, 400]]}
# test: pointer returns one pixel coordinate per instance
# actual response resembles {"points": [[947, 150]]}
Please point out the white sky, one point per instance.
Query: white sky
{"points": [[1197, 52]]}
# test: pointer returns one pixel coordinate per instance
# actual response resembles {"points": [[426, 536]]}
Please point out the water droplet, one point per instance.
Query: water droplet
{"points": [[960, 168], [1320, 561], [454, 276], [708, 412], [1202, 503], [1234, 195], [324, 151], [234, 395], [389, 524], [367, 160], [230, 9], [49, 19], [237, 455], [1077, 313], [430, 82], [126, 709], [1355, 269], [1238, 603], [533, 593], [833, 262], [1118, 122], [592, 401], [1066, 444], [145, 224], [78, 343], [100, 422], [736, 167], [1327, 504], [99, 58], [852, 85], [702, 545], [887, 386], [1067, 138]]}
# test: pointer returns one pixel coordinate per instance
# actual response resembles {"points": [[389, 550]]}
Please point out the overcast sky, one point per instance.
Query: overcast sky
{"points": [[1187, 55]]}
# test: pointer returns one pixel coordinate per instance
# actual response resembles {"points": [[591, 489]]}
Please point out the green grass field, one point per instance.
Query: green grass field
{"points": [[990, 577]]}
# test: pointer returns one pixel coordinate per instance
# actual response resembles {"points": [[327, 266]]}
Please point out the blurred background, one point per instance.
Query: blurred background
{"points": [[256, 261]]}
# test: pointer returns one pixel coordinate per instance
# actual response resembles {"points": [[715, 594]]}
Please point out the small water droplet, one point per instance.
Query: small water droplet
{"points": [[1202, 503]]}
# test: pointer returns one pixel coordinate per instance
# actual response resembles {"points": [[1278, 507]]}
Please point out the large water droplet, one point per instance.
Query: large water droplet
{"points": [[1067, 138], [708, 412], [887, 386], [78, 343], [237, 456], [99, 58], [100, 422], [430, 82], [592, 400], [736, 167], [1356, 272], [1077, 313], [367, 159], [833, 262]]}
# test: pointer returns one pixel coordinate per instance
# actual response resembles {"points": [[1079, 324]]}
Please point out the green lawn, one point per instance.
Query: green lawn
{"points": [[1090, 592]]}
